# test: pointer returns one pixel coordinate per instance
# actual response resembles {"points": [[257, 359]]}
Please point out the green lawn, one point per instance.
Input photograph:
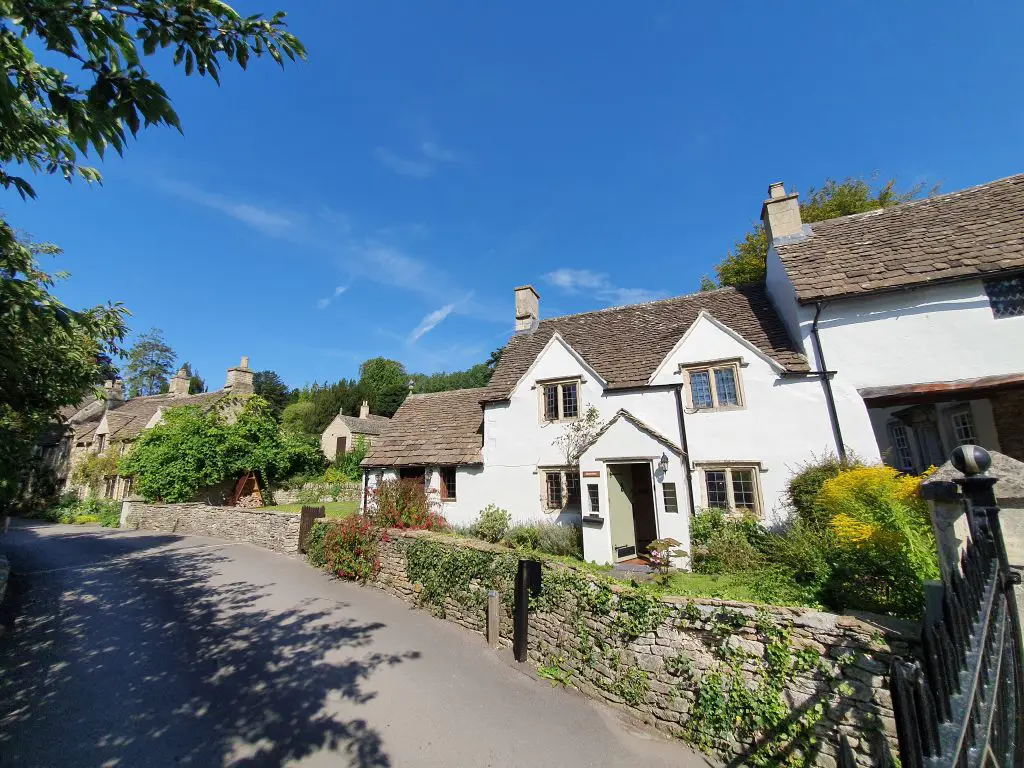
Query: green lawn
{"points": [[332, 508]]}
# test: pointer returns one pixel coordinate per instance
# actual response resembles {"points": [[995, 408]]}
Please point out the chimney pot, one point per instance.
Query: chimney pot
{"points": [[114, 390], [527, 309], [245, 361], [364, 409], [780, 213]]}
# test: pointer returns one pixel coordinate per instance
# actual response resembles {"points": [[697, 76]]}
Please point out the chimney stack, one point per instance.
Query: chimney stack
{"points": [[240, 378], [527, 309], [781, 213], [113, 389], [180, 382], [364, 409]]}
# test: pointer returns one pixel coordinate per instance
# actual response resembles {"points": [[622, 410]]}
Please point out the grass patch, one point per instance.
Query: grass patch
{"points": [[332, 508], [728, 586]]}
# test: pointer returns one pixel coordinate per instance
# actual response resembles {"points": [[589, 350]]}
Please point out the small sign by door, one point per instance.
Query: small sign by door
{"points": [[592, 473]]}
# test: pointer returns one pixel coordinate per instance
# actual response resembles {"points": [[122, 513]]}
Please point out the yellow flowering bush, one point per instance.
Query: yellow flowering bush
{"points": [[884, 545]]}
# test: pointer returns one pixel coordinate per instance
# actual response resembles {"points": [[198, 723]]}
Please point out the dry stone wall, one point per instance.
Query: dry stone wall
{"points": [[324, 493], [277, 531], [800, 678]]}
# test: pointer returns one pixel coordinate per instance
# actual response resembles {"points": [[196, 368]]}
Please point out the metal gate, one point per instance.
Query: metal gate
{"points": [[963, 706]]}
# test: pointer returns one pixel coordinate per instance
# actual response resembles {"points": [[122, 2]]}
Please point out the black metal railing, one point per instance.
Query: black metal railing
{"points": [[963, 705]]}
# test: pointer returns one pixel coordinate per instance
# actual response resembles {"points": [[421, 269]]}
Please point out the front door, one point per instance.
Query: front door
{"points": [[620, 510]]}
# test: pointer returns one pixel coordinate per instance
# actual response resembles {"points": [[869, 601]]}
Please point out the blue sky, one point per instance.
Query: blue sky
{"points": [[386, 196]]}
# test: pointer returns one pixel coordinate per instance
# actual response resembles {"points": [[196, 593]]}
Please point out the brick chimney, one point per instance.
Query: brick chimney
{"points": [[527, 309], [240, 378], [364, 409], [180, 382], [781, 213], [113, 390]]}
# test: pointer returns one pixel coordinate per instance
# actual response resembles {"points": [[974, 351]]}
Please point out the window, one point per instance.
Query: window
{"points": [[553, 486], [129, 485], [109, 483], [595, 499], [561, 400], [101, 441], [900, 439], [1006, 296], [448, 483], [963, 428], [715, 387], [572, 488], [731, 488], [668, 490]]}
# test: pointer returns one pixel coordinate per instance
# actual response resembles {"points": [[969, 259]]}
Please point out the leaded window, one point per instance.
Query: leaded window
{"points": [[732, 488], [1006, 296], [744, 494], [560, 400], [963, 428], [553, 481], [717, 488], [715, 387], [900, 438], [595, 498], [668, 490]]}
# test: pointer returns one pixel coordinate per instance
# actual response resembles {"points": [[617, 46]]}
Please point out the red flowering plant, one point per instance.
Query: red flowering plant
{"points": [[351, 548], [405, 504]]}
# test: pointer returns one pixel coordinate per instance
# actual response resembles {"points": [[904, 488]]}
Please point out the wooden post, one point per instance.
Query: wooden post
{"points": [[306, 518], [493, 618]]}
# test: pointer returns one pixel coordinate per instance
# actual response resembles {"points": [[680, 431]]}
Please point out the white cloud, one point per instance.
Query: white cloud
{"points": [[272, 222], [438, 153], [417, 169], [430, 322], [424, 164], [326, 302], [576, 281]]}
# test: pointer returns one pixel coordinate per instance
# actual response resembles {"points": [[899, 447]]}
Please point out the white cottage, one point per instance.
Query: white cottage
{"points": [[917, 313], [703, 401]]}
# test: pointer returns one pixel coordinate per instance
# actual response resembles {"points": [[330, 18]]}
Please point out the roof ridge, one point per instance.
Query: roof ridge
{"points": [[694, 295], [920, 201], [441, 392]]}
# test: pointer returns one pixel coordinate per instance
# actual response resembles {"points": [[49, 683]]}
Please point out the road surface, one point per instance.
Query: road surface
{"points": [[132, 648]]}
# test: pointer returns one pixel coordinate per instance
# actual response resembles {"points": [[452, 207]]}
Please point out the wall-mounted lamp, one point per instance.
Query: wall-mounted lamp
{"points": [[663, 464]]}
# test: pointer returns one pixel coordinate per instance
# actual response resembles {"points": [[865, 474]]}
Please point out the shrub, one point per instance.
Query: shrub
{"points": [[550, 538], [563, 540], [315, 554], [72, 511], [351, 548], [348, 465], [404, 504], [884, 545], [726, 545], [492, 524], [804, 486], [309, 494], [523, 536]]}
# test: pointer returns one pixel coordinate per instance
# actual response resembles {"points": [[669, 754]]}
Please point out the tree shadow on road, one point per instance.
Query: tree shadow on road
{"points": [[150, 657]]}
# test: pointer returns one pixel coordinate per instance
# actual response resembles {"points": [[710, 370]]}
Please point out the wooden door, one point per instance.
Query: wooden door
{"points": [[620, 511]]}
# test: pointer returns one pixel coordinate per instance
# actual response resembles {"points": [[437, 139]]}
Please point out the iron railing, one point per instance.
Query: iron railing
{"points": [[963, 705]]}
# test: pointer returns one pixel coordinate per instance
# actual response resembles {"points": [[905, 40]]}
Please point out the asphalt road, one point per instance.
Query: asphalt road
{"points": [[129, 648]]}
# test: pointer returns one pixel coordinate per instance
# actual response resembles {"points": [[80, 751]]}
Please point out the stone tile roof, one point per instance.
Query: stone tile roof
{"points": [[961, 235], [626, 344], [437, 428], [128, 419], [371, 425]]}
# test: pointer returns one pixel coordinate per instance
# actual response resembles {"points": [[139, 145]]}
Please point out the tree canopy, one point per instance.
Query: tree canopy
{"points": [[271, 387], [48, 117], [746, 263], [48, 354], [150, 364], [192, 449]]}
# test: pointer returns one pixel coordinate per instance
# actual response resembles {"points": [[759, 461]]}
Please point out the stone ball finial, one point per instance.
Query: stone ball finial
{"points": [[971, 459]]}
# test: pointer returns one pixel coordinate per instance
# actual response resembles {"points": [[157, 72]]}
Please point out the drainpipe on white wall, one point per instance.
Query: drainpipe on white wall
{"points": [[826, 382]]}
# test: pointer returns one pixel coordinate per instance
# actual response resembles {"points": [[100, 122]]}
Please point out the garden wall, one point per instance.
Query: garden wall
{"points": [[765, 685], [325, 492], [277, 531]]}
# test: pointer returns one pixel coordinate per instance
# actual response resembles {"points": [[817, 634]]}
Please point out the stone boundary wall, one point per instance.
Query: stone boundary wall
{"points": [[348, 492], [277, 531], [846, 673]]}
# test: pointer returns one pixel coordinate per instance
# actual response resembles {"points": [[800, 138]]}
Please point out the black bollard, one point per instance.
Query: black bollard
{"points": [[527, 583]]}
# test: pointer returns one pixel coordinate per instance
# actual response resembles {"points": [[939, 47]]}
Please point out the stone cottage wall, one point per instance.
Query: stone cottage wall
{"points": [[838, 665], [277, 531]]}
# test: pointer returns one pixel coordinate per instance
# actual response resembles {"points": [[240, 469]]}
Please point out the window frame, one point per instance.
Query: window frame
{"points": [[954, 430], [558, 384], [711, 368], [892, 428], [446, 494], [594, 498], [728, 468], [671, 508], [568, 499]]}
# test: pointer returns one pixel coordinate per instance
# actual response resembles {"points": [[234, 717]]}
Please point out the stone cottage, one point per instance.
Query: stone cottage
{"points": [[712, 399], [344, 431], [101, 423]]}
